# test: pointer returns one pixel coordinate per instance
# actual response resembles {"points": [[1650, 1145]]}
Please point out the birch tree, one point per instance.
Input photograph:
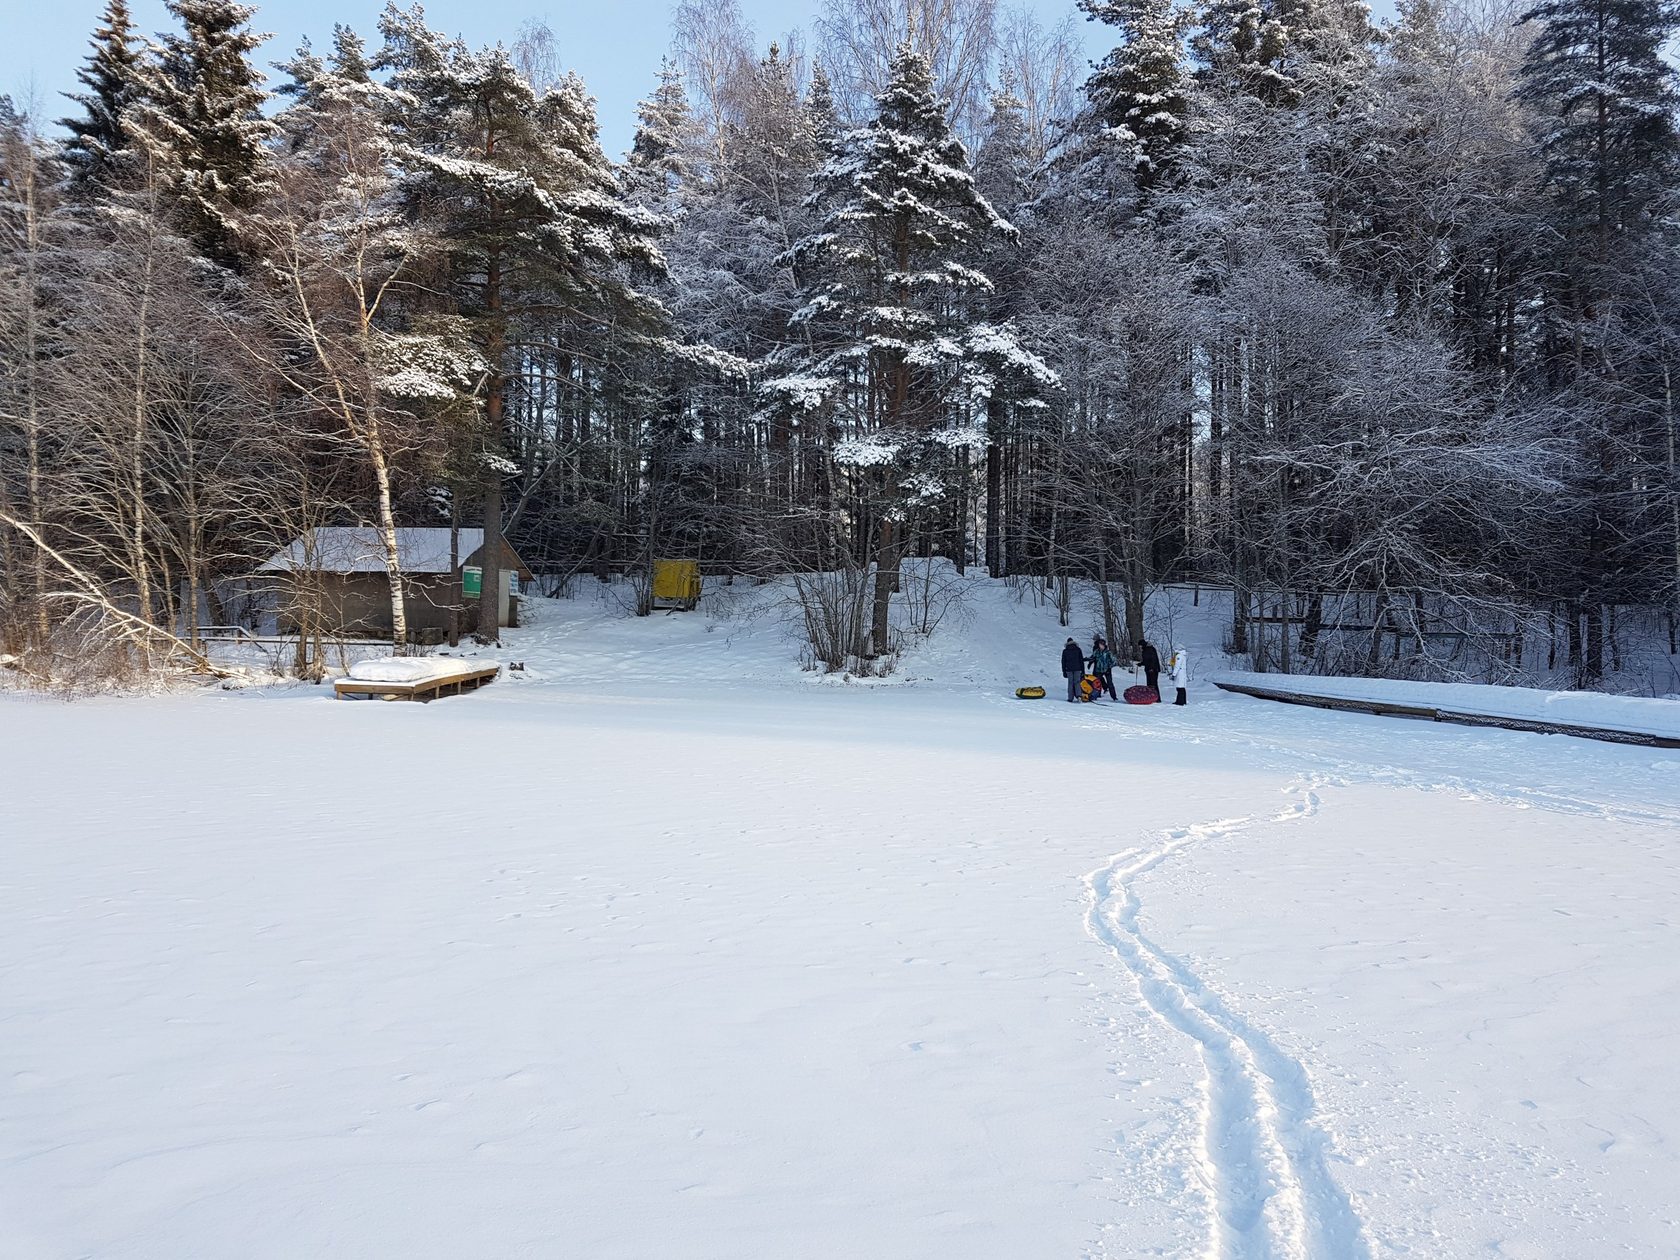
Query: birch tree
{"points": [[344, 269]]}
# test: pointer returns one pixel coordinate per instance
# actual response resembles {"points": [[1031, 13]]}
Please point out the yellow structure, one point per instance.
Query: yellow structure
{"points": [[676, 583]]}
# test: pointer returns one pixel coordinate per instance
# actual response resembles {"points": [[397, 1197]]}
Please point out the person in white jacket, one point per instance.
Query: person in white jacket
{"points": [[1178, 673]]}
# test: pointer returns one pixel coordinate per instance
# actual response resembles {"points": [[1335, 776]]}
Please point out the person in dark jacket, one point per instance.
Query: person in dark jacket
{"points": [[1102, 665], [1150, 659], [1073, 669]]}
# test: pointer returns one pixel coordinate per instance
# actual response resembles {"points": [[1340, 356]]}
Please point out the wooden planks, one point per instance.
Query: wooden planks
{"points": [[425, 690], [1386, 708]]}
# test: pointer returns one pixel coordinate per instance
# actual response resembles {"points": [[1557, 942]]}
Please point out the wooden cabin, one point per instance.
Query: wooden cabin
{"points": [[337, 573]]}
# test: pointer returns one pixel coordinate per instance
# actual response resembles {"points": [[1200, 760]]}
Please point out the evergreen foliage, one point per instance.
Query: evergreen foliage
{"points": [[112, 77], [1605, 99], [199, 123], [1136, 95]]}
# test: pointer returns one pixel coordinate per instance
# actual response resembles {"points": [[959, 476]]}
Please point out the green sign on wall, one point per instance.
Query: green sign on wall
{"points": [[472, 582]]}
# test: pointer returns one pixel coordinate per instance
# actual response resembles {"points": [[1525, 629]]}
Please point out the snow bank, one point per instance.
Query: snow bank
{"points": [[1630, 714], [410, 669]]}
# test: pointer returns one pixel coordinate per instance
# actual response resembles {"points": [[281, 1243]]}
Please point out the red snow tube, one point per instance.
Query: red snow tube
{"points": [[1141, 695]]}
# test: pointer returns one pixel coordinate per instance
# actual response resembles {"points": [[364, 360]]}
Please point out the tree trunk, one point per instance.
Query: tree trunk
{"points": [[994, 489], [455, 597], [490, 557], [1595, 642], [1313, 627], [1379, 614], [1673, 503], [1104, 593], [1285, 606], [959, 524], [886, 582], [388, 537]]}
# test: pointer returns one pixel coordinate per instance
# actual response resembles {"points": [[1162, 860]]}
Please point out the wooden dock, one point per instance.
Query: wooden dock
{"points": [[423, 690], [1430, 713]]}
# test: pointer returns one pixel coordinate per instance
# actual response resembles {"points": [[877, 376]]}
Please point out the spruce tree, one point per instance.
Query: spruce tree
{"points": [[1604, 98], [658, 160], [1136, 96], [112, 78], [1003, 165], [894, 316], [821, 111], [201, 126]]}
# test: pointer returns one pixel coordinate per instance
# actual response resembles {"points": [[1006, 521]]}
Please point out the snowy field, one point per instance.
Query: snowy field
{"points": [[661, 947]]}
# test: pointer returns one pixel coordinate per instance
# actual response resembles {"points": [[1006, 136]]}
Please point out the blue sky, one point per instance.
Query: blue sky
{"points": [[614, 44]]}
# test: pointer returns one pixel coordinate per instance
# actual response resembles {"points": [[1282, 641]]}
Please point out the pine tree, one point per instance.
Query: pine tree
{"points": [[1136, 97], [309, 75], [112, 77], [1243, 43], [893, 316], [303, 70], [349, 60], [532, 209], [201, 124]]}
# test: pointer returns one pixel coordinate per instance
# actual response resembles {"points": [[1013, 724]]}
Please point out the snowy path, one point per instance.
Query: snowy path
{"points": [[1265, 1159], [1270, 1194]]}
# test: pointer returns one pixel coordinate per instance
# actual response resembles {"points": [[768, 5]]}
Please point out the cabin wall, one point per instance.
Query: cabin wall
{"points": [[358, 605]]}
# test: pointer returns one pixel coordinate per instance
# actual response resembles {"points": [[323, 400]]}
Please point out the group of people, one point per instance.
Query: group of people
{"points": [[1102, 661]]}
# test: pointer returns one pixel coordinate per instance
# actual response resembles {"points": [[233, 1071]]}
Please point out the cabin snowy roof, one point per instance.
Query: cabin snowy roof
{"points": [[357, 549]]}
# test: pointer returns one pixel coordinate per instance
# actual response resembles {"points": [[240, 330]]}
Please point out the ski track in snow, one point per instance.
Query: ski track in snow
{"points": [[1263, 1158]]}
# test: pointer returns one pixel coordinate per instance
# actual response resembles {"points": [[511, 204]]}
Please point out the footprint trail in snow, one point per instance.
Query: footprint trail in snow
{"points": [[1263, 1157]]}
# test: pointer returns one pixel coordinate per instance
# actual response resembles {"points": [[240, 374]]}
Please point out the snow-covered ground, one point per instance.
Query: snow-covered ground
{"points": [[663, 947]]}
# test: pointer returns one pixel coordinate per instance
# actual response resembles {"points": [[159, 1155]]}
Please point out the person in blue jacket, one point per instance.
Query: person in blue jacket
{"points": [[1073, 669], [1102, 665]]}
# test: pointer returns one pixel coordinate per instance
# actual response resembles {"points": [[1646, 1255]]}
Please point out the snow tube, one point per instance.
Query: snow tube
{"points": [[1141, 695], [1029, 693], [1090, 687]]}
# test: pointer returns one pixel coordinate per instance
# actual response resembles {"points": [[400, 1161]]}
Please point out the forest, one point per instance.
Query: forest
{"points": [[1372, 325]]}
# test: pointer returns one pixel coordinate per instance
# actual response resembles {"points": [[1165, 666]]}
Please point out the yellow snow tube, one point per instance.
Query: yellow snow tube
{"points": [[1029, 693]]}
